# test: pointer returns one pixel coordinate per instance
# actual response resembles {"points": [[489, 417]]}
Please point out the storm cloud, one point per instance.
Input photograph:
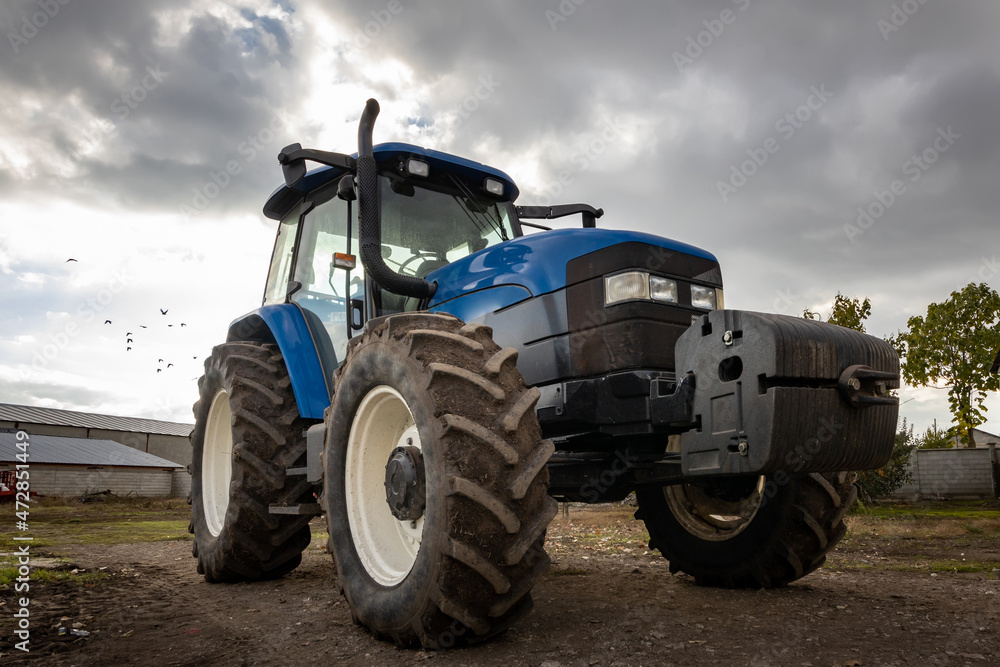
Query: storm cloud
{"points": [[813, 147]]}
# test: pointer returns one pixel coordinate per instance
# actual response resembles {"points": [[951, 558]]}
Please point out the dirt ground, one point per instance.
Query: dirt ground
{"points": [[894, 592]]}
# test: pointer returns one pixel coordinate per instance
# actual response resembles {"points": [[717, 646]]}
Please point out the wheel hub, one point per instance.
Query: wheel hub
{"points": [[715, 517], [404, 483]]}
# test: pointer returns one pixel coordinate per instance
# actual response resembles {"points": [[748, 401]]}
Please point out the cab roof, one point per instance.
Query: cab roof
{"points": [[284, 198]]}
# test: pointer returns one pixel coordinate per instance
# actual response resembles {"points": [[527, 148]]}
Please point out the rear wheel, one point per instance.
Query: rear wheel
{"points": [[247, 432], [748, 534], [436, 485]]}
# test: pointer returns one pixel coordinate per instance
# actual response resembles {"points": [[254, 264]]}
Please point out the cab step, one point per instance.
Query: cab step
{"points": [[303, 509]]}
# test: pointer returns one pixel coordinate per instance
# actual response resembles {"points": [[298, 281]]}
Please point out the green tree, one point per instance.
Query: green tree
{"points": [[852, 313], [875, 483], [935, 438], [954, 347]]}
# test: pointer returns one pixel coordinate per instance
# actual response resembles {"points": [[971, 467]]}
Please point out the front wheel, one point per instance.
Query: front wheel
{"points": [[750, 533], [436, 486]]}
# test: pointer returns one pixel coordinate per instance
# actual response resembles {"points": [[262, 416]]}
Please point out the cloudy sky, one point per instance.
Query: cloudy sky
{"points": [[757, 129]]}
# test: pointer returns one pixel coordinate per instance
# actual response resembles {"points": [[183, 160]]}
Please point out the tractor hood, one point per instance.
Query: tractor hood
{"points": [[538, 262]]}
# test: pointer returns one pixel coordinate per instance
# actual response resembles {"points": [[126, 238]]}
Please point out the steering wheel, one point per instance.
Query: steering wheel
{"points": [[420, 255]]}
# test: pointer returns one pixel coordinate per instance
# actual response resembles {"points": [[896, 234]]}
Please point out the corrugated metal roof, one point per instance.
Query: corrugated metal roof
{"points": [[58, 449], [31, 415]]}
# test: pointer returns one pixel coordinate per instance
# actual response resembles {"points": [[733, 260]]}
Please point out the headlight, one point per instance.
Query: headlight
{"points": [[703, 297], [662, 289], [626, 286], [640, 286]]}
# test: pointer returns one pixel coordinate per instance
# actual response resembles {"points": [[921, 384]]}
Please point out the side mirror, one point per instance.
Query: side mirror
{"points": [[292, 170]]}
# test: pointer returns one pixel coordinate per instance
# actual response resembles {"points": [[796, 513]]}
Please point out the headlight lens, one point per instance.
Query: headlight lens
{"points": [[662, 289], [703, 297], [639, 285], [626, 286]]}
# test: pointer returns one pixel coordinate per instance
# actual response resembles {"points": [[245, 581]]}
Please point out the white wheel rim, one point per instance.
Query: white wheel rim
{"points": [[386, 546], [217, 462]]}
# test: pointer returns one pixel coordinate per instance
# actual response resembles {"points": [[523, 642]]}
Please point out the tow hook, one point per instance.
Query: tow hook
{"points": [[863, 387]]}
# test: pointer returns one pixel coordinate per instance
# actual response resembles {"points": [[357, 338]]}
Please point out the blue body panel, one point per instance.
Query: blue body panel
{"points": [[536, 262], [297, 347], [470, 306]]}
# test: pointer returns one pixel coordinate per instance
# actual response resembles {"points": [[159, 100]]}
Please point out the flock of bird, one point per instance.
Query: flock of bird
{"points": [[129, 341], [130, 336]]}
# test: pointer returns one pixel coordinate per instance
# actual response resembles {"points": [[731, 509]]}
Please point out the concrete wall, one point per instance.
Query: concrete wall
{"points": [[180, 484], [951, 473], [53, 480], [170, 447]]}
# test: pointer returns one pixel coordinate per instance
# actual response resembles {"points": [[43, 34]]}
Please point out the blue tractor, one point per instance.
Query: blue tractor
{"points": [[435, 399]]}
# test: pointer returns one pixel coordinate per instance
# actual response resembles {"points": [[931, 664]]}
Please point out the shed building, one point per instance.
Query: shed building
{"points": [[61, 466], [162, 439]]}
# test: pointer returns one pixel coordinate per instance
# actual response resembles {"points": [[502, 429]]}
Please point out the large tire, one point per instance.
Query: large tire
{"points": [[767, 537], [247, 428], [463, 571]]}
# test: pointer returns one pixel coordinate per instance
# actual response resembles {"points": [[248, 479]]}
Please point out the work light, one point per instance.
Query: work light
{"points": [[494, 187]]}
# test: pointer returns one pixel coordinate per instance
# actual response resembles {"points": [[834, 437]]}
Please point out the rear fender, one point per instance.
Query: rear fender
{"points": [[284, 326]]}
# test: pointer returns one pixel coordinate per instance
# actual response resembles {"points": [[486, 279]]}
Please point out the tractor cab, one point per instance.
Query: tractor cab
{"points": [[435, 209]]}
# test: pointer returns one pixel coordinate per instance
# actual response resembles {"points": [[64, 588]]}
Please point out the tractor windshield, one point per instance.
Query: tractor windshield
{"points": [[426, 227]]}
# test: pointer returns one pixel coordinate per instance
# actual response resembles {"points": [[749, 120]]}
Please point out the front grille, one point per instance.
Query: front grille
{"points": [[634, 334]]}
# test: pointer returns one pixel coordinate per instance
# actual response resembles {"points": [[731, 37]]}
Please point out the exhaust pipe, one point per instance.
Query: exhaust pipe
{"points": [[370, 217]]}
